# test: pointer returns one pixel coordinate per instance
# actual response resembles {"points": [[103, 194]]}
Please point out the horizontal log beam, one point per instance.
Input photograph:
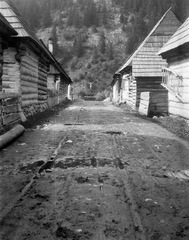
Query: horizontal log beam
{"points": [[10, 136]]}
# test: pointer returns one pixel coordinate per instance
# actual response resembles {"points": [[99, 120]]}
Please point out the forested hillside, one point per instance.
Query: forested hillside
{"points": [[92, 38]]}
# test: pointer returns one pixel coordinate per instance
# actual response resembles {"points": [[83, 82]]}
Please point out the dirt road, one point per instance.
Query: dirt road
{"points": [[95, 171]]}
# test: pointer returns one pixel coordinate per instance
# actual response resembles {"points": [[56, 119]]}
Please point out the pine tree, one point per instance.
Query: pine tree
{"points": [[102, 43], [70, 17], [47, 21], [90, 14], [110, 52], [78, 46], [104, 15]]}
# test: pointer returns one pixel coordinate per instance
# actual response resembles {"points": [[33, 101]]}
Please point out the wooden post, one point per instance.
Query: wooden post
{"points": [[69, 92], [10, 136]]}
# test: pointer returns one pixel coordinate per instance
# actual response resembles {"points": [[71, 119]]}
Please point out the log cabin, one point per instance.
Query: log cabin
{"points": [[176, 74], [142, 71], [6, 31], [28, 64], [58, 81], [6, 116]]}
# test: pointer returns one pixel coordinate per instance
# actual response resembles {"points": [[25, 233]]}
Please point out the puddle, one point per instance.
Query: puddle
{"points": [[73, 124], [46, 166], [94, 162], [71, 162], [82, 179], [66, 233], [113, 132], [118, 163], [104, 162]]}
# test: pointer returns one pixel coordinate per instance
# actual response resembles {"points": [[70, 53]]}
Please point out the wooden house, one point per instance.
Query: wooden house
{"points": [[6, 31], [176, 74], [58, 81], [142, 72], [27, 62]]}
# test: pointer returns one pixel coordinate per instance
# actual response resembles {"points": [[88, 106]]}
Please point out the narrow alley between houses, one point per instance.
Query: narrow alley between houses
{"points": [[95, 171]]}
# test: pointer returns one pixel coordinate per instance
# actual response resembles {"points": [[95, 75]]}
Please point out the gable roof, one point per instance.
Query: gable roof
{"points": [[9, 30], [180, 38], [15, 19], [145, 56], [58, 66]]}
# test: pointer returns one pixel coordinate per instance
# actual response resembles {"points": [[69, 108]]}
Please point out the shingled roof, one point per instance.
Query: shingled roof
{"points": [[15, 19], [144, 60], [180, 38], [7, 26]]}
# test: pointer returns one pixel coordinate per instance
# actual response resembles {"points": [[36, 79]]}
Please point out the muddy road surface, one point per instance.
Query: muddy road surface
{"points": [[95, 171]]}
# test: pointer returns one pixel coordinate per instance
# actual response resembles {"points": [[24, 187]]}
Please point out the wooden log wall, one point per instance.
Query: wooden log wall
{"points": [[132, 92], [1, 63], [11, 72], [10, 110], [42, 82], [129, 90], [158, 103], [29, 78], [180, 107], [153, 104], [158, 95]]}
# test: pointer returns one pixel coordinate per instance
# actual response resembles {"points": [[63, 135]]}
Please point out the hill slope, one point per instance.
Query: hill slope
{"points": [[92, 38]]}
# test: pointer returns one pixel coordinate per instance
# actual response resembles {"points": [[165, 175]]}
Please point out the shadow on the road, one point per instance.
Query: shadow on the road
{"points": [[43, 117]]}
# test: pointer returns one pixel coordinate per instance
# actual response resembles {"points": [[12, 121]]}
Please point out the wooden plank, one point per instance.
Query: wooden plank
{"points": [[147, 74], [42, 89], [5, 95], [26, 103], [42, 73], [29, 63], [148, 58], [29, 73], [179, 105], [8, 119], [28, 90], [29, 84], [152, 66], [29, 96], [179, 112], [42, 97], [158, 104], [10, 109], [184, 98]]}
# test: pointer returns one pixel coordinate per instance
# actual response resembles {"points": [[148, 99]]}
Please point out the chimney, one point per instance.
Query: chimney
{"points": [[50, 45]]}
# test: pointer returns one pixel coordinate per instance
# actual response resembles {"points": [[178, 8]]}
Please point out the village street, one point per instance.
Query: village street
{"points": [[95, 171]]}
